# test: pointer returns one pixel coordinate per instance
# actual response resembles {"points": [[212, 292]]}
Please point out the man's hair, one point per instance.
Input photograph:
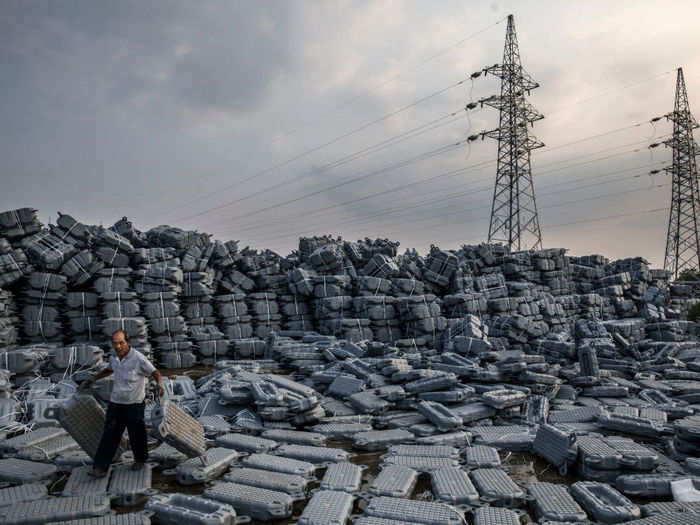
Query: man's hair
{"points": [[120, 331]]}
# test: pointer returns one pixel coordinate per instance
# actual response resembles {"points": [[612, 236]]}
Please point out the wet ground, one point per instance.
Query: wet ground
{"points": [[523, 468]]}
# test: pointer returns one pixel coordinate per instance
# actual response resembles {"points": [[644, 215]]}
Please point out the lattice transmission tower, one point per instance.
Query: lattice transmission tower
{"points": [[682, 241], [514, 219]]}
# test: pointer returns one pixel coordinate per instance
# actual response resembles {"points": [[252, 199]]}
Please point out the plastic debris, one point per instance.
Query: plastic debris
{"points": [[414, 355]]}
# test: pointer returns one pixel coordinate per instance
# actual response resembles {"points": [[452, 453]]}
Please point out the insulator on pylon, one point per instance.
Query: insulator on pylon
{"points": [[654, 145], [471, 105], [476, 74], [472, 138], [654, 172], [655, 119]]}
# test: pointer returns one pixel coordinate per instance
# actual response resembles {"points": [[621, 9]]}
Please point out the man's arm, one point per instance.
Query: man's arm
{"points": [[99, 375], [158, 379]]}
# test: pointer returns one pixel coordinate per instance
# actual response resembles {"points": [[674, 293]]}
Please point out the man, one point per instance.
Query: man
{"points": [[126, 405]]}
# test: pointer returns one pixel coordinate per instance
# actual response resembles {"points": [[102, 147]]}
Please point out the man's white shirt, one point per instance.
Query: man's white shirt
{"points": [[130, 376]]}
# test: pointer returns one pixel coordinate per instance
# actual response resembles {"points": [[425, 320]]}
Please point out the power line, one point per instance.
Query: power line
{"points": [[360, 199], [458, 212], [485, 163], [317, 148], [288, 161], [368, 149], [611, 90], [290, 132], [547, 149], [429, 202], [583, 221], [350, 101], [471, 210], [393, 78], [424, 128], [335, 140], [430, 126], [598, 219], [550, 226], [470, 192], [433, 178], [572, 181], [419, 158], [455, 195]]}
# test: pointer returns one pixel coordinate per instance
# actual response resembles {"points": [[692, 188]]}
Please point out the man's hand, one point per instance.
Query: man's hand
{"points": [[87, 384], [161, 390]]}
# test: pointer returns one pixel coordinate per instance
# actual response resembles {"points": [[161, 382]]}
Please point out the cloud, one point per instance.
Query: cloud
{"points": [[158, 110], [180, 58], [230, 69]]}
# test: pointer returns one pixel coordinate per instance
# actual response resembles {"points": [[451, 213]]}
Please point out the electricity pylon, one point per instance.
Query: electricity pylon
{"points": [[682, 243], [514, 219]]}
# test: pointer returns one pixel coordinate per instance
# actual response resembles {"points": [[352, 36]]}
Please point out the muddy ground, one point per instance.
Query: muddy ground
{"points": [[523, 468]]}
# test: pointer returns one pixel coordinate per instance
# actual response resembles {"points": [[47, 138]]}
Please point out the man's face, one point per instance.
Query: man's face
{"points": [[120, 345]]}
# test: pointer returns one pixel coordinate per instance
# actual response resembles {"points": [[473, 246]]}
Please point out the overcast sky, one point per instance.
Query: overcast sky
{"points": [[212, 115]]}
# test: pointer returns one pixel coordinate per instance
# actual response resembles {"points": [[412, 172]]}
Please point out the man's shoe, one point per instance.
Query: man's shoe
{"points": [[97, 473], [137, 465]]}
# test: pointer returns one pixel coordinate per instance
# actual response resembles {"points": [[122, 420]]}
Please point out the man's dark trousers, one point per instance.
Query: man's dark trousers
{"points": [[118, 418]]}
